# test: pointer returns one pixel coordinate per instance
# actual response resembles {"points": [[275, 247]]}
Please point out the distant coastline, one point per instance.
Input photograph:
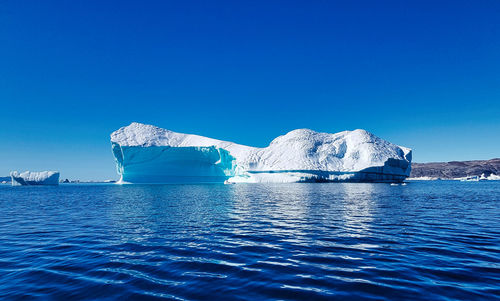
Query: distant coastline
{"points": [[455, 169], [7, 180]]}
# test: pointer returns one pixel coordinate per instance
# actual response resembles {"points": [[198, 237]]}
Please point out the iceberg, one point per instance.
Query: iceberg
{"points": [[35, 178], [149, 154], [491, 177]]}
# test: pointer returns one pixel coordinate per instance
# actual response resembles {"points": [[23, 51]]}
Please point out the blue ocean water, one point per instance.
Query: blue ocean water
{"points": [[426, 240]]}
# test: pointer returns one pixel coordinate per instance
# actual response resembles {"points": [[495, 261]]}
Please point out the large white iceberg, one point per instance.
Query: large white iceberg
{"points": [[148, 154], [35, 178]]}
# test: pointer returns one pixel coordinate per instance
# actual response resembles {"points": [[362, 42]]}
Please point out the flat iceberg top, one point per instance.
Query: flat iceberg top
{"points": [[301, 149], [138, 134], [34, 175], [35, 178]]}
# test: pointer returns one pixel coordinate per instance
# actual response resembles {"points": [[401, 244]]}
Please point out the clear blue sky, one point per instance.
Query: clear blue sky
{"points": [[423, 74]]}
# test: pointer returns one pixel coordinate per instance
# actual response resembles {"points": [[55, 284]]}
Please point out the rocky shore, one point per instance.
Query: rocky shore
{"points": [[456, 169]]}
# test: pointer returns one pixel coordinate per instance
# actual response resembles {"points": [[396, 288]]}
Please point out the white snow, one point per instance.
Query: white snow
{"points": [[35, 178], [491, 177], [295, 153], [423, 179]]}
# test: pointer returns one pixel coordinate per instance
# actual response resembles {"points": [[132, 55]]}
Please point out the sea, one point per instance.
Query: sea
{"points": [[427, 240]]}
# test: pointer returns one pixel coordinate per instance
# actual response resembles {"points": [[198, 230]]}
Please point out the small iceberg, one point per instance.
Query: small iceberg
{"points": [[398, 184], [470, 179], [491, 177], [35, 178]]}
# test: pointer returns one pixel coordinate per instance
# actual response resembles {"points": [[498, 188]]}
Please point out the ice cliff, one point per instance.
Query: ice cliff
{"points": [[148, 154], [35, 178]]}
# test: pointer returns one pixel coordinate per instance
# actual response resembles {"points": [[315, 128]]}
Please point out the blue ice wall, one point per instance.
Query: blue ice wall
{"points": [[165, 164]]}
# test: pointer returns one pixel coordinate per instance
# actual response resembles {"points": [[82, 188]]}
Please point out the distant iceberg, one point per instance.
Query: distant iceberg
{"points": [[35, 178], [423, 179], [148, 154], [491, 177]]}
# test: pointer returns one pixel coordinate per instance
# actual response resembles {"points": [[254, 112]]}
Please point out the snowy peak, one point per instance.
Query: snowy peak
{"points": [[139, 134]]}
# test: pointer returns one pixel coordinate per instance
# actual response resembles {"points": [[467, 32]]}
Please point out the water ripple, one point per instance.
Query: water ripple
{"points": [[436, 240]]}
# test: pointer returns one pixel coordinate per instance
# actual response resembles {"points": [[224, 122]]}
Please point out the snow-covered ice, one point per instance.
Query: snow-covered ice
{"points": [[491, 177], [423, 179], [148, 154], [35, 178]]}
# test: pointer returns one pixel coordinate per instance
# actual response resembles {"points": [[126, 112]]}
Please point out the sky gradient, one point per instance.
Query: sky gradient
{"points": [[422, 74]]}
